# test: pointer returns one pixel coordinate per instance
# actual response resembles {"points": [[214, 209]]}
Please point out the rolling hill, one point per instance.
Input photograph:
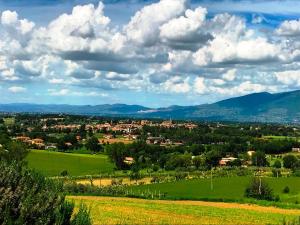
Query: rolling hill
{"points": [[257, 107]]}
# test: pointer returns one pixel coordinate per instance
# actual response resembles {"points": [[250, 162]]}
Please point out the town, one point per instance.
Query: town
{"points": [[151, 158]]}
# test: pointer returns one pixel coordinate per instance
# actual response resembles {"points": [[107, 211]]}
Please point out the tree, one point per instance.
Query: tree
{"points": [[93, 145], [26, 198], [289, 161], [259, 189], [13, 151], [117, 153], [277, 164], [259, 159], [212, 158], [198, 161], [197, 149], [179, 161]]}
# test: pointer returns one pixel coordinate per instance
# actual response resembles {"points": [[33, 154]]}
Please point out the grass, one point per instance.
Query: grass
{"points": [[224, 189], [53, 163], [108, 210], [9, 121], [280, 137]]}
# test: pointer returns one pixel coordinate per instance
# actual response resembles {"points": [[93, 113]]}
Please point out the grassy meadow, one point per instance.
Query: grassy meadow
{"points": [[53, 163], [109, 210], [223, 189]]}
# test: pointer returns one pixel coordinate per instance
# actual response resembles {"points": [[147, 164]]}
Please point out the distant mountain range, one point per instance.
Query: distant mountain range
{"points": [[258, 107]]}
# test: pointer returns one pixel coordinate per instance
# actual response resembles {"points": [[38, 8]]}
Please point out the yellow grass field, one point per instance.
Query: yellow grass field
{"points": [[110, 210]]}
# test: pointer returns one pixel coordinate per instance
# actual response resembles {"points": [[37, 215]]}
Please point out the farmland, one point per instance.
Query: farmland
{"points": [[108, 210], [223, 189], [53, 163]]}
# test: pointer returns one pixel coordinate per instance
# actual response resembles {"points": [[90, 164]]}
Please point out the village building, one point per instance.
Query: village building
{"points": [[128, 160], [225, 161]]}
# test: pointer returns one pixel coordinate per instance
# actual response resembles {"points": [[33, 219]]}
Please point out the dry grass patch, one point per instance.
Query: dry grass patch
{"points": [[109, 210]]}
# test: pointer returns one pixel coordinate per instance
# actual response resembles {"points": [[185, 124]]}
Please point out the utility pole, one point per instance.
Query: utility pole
{"points": [[211, 180]]}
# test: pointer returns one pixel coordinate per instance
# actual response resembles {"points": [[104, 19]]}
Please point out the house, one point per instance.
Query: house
{"points": [[250, 153], [296, 150], [23, 139], [69, 144], [39, 143], [128, 160], [225, 161], [154, 140], [51, 147]]}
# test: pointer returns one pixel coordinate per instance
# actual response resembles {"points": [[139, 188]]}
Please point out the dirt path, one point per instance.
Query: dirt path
{"points": [[250, 207]]}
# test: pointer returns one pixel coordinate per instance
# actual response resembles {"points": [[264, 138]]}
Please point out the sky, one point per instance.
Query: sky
{"points": [[154, 53]]}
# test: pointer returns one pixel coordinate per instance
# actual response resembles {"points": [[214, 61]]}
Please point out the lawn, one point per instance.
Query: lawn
{"points": [[224, 189], [53, 163], [109, 210], [9, 121], [280, 137]]}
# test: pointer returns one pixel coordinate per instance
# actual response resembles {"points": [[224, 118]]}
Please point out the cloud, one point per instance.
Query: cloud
{"points": [[289, 77], [289, 28], [17, 89], [186, 32], [143, 27], [61, 92], [166, 47], [177, 85]]}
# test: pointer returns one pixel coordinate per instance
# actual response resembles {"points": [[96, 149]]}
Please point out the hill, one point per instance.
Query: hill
{"points": [[257, 107]]}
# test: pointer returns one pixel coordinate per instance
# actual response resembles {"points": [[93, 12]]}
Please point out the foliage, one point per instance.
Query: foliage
{"points": [[259, 159], [277, 164], [82, 217], [93, 145], [289, 161], [259, 189], [28, 198], [13, 151], [286, 190]]}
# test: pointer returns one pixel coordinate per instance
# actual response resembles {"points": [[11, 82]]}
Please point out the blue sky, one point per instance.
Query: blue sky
{"points": [[152, 53]]}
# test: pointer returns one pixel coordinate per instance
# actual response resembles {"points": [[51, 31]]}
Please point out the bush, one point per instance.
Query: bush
{"points": [[289, 161], [28, 198], [259, 189], [286, 190], [64, 173], [277, 164]]}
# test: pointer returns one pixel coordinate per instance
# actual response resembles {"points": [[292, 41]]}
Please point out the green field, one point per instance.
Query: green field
{"points": [[53, 163], [279, 137], [224, 189], [108, 210], [9, 121]]}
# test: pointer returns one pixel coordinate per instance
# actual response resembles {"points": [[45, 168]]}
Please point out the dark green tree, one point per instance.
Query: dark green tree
{"points": [[289, 161], [93, 145], [259, 159]]}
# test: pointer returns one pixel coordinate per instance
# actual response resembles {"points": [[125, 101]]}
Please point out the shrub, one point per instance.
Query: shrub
{"points": [[64, 173], [289, 161], [286, 190], [259, 189], [28, 198], [277, 164]]}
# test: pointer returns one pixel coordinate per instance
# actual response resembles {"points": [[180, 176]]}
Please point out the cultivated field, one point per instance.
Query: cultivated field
{"points": [[109, 210], [223, 189], [53, 163]]}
